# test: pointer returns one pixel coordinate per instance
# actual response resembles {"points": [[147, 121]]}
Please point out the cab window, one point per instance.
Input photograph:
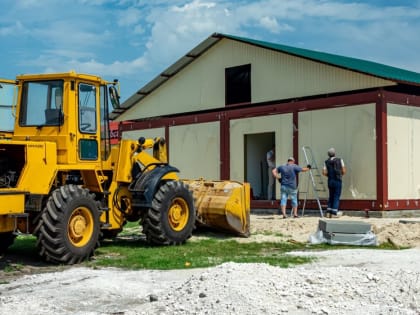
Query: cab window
{"points": [[87, 108], [8, 94], [42, 104]]}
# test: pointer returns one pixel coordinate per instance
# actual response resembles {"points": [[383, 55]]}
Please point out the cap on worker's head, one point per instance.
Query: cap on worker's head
{"points": [[331, 152], [291, 159]]}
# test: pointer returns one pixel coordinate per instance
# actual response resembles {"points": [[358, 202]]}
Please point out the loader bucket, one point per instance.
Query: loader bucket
{"points": [[222, 205]]}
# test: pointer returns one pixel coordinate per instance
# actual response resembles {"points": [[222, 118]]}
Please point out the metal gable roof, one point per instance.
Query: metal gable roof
{"points": [[360, 65], [353, 64]]}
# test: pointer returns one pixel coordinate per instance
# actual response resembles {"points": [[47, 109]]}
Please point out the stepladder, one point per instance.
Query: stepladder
{"points": [[313, 185]]}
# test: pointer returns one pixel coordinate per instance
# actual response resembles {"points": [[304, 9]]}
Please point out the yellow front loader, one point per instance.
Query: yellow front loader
{"points": [[61, 180]]}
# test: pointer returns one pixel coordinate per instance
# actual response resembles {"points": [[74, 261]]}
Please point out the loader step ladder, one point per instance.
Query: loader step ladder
{"points": [[315, 180]]}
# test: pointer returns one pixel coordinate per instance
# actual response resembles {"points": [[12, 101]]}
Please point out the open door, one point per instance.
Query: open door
{"points": [[256, 167]]}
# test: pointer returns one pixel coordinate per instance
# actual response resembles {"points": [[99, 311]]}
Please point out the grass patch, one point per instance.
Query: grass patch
{"points": [[130, 251], [197, 254], [24, 244]]}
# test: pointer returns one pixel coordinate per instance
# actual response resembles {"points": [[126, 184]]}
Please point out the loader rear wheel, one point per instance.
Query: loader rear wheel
{"points": [[6, 240], [171, 219], [68, 231]]}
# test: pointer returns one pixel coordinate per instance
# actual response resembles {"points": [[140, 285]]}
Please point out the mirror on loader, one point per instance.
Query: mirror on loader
{"points": [[114, 96]]}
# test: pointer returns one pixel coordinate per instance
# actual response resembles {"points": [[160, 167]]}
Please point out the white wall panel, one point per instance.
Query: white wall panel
{"points": [[352, 132], [403, 148], [195, 150]]}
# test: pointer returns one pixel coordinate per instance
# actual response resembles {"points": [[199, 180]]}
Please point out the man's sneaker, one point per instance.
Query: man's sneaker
{"points": [[328, 212]]}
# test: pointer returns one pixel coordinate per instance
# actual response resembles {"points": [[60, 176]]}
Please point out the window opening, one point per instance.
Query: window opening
{"points": [[238, 84]]}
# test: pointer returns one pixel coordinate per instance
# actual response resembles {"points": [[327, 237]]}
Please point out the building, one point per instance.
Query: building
{"points": [[223, 104]]}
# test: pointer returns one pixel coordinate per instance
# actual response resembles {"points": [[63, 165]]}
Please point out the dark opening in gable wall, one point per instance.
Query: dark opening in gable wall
{"points": [[238, 84]]}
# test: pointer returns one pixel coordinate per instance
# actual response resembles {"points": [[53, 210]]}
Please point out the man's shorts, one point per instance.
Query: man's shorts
{"points": [[288, 192]]}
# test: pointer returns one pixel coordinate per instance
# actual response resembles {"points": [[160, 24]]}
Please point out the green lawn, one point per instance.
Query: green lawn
{"points": [[130, 251], [202, 253]]}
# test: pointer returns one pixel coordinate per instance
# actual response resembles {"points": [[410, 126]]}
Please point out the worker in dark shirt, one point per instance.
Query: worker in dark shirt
{"points": [[334, 169]]}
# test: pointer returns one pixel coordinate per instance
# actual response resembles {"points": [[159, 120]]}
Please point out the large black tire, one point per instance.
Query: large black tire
{"points": [[171, 219], [69, 228], [6, 240]]}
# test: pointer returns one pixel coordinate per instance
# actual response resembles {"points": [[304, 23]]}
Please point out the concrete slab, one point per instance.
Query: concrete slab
{"points": [[366, 239], [338, 226]]}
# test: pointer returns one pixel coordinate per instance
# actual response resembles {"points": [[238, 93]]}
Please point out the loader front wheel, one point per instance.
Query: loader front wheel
{"points": [[171, 219], [68, 231], [6, 240]]}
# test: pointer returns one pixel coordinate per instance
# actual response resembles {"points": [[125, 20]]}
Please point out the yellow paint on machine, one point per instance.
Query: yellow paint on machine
{"points": [[10, 203]]}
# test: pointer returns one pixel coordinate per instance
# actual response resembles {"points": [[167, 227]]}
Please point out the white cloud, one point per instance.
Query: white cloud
{"points": [[194, 6], [337, 10], [271, 25], [91, 66], [177, 29], [129, 17]]}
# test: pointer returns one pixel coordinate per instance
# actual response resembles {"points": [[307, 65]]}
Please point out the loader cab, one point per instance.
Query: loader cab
{"points": [[69, 109]]}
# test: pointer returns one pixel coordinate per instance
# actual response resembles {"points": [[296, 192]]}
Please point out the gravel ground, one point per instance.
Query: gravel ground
{"points": [[351, 281]]}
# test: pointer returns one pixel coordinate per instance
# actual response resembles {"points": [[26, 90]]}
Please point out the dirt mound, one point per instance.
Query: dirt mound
{"points": [[397, 231]]}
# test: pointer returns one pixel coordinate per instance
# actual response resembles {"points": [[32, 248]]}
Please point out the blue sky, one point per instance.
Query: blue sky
{"points": [[135, 40]]}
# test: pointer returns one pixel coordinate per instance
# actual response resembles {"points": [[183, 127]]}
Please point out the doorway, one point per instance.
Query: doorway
{"points": [[256, 169]]}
